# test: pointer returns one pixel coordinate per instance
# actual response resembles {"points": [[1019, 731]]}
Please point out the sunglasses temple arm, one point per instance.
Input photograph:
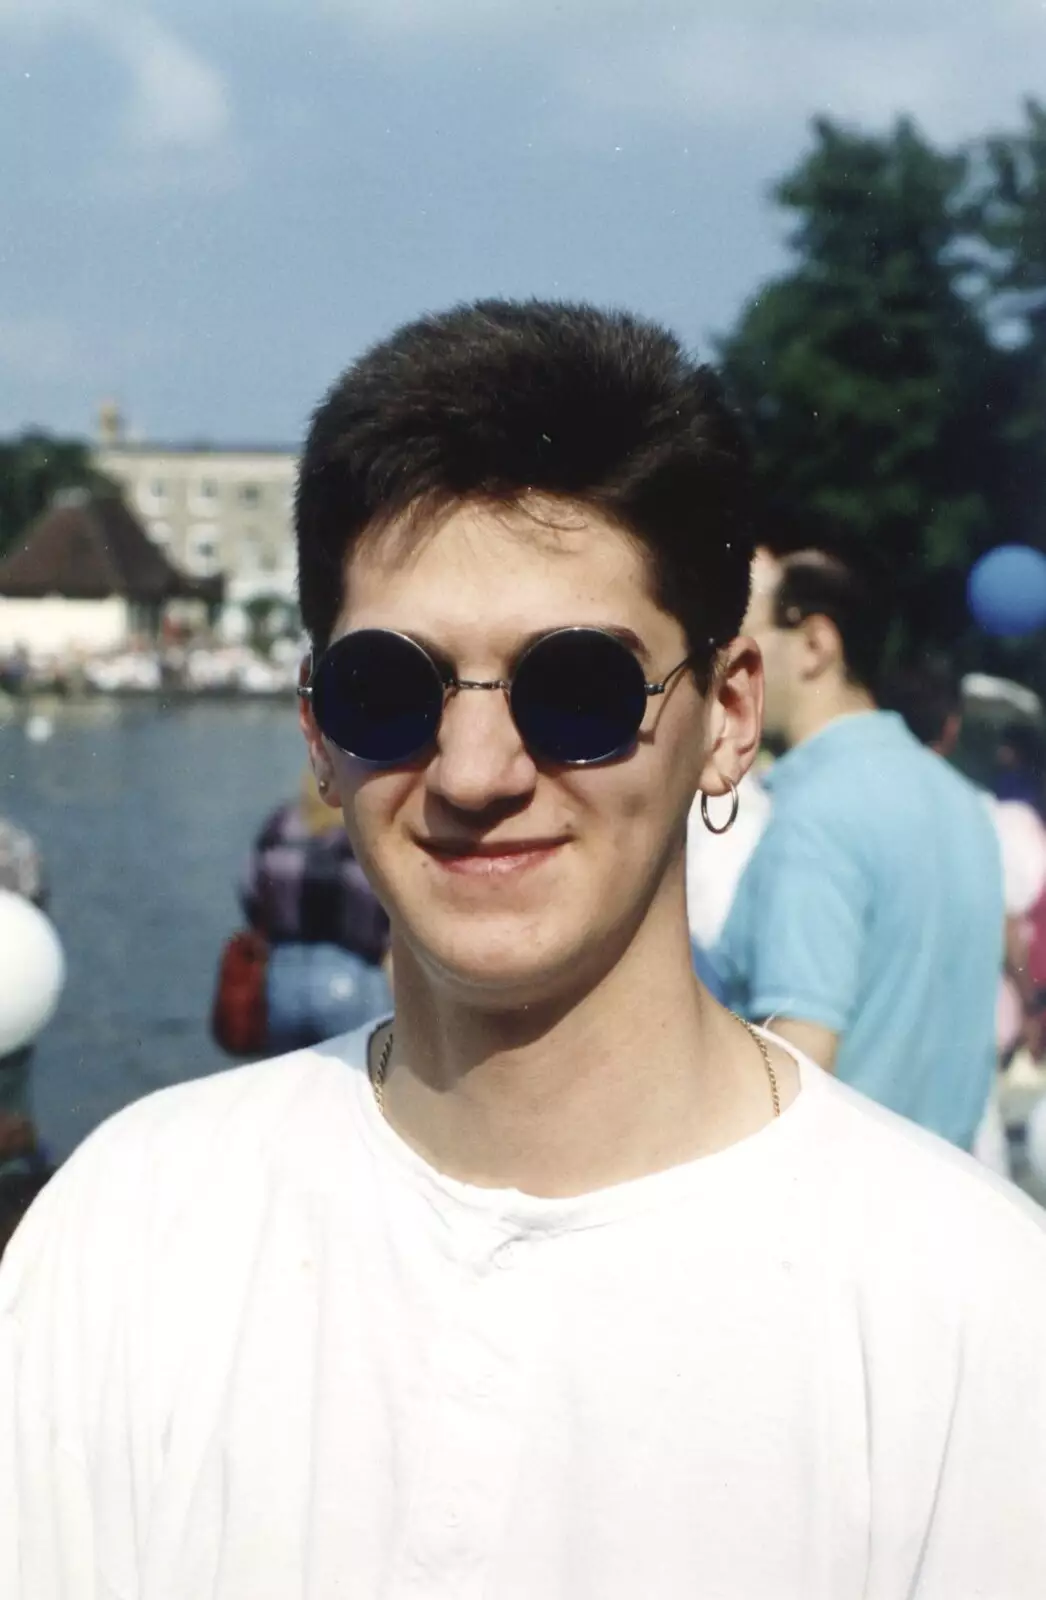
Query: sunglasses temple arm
{"points": [[305, 689], [659, 688]]}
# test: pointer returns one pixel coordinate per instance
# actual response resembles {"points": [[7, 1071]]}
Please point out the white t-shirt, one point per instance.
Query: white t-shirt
{"points": [[252, 1347]]}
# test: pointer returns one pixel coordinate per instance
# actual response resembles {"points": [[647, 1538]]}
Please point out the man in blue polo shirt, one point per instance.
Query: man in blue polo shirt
{"points": [[868, 924]]}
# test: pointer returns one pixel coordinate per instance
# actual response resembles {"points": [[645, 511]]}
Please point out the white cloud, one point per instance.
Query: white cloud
{"points": [[177, 100], [956, 74], [730, 64], [498, 19]]}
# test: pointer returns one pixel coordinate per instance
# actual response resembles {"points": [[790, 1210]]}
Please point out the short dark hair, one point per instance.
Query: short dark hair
{"points": [[852, 592], [492, 400], [927, 695]]}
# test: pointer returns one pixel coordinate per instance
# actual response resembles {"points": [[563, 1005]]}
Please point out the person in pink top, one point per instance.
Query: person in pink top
{"points": [[929, 698]]}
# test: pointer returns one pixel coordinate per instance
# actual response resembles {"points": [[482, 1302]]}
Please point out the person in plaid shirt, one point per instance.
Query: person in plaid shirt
{"points": [[306, 893]]}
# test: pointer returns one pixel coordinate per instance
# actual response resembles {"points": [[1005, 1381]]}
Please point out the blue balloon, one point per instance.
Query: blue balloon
{"points": [[1006, 590]]}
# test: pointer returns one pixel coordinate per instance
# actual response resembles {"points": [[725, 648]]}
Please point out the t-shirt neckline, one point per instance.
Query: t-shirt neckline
{"points": [[753, 1158]]}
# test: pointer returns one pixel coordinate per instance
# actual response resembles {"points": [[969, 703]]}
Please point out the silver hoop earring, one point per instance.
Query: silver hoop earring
{"points": [[735, 801]]}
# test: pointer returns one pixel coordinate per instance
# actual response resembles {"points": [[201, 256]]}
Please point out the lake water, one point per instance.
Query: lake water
{"points": [[145, 816]]}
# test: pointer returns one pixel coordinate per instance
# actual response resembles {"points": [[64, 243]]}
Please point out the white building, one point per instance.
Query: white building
{"points": [[211, 510], [85, 579]]}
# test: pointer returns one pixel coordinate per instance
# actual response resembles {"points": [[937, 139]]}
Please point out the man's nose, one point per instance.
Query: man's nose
{"points": [[480, 758]]}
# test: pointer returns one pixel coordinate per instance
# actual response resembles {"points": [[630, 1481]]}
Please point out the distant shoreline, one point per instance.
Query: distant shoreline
{"points": [[31, 700]]}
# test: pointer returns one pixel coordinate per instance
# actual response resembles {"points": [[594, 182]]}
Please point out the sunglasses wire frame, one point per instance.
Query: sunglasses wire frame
{"points": [[452, 684]]}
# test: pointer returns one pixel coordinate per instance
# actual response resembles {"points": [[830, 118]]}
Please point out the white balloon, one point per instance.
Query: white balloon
{"points": [[32, 971]]}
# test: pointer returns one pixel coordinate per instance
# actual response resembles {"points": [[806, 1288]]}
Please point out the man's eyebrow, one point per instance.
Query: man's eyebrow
{"points": [[615, 629]]}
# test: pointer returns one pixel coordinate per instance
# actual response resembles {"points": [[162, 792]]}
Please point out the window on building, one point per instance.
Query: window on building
{"points": [[204, 550], [208, 489], [250, 494], [151, 495], [249, 549]]}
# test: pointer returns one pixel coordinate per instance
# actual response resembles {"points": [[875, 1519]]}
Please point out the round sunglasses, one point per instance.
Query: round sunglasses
{"points": [[577, 696]]}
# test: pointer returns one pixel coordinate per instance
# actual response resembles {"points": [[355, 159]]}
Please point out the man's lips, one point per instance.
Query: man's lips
{"points": [[492, 858]]}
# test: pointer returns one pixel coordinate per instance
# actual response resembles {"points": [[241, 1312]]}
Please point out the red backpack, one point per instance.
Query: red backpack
{"points": [[239, 1018]]}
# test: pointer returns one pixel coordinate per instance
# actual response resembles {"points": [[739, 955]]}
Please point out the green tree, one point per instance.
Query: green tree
{"points": [[1009, 212], [34, 468], [268, 617], [866, 371]]}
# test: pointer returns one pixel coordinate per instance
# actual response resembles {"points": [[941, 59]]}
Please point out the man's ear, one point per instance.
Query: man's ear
{"points": [[734, 716], [319, 757], [820, 647]]}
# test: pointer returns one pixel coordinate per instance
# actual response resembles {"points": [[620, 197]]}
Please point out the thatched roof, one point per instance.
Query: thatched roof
{"points": [[93, 549]]}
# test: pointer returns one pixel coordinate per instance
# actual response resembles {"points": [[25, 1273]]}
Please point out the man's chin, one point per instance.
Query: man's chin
{"points": [[494, 976]]}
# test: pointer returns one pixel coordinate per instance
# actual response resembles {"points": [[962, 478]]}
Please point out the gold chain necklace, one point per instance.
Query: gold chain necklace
{"points": [[381, 1066]]}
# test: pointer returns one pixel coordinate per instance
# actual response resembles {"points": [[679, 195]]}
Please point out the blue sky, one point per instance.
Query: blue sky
{"points": [[209, 209]]}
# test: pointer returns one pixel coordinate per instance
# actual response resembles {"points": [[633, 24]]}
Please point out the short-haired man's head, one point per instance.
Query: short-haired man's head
{"points": [[506, 403], [851, 594]]}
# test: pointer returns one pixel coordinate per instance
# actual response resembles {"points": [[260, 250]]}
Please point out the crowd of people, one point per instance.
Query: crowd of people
{"points": [[523, 1263]]}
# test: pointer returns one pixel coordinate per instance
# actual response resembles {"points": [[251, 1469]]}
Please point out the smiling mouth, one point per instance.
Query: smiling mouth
{"points": [[487, 861]]}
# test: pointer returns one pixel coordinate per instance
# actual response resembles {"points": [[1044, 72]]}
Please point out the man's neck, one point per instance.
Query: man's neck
{"points": [[640, 1072], [825, 702]]}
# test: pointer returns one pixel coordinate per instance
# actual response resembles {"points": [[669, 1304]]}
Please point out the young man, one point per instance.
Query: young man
{"points": [[869, 922], [561, 1285]]}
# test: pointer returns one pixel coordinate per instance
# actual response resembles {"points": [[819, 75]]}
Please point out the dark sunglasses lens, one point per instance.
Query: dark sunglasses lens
{"points": [[578, 696], [378, 696]]}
